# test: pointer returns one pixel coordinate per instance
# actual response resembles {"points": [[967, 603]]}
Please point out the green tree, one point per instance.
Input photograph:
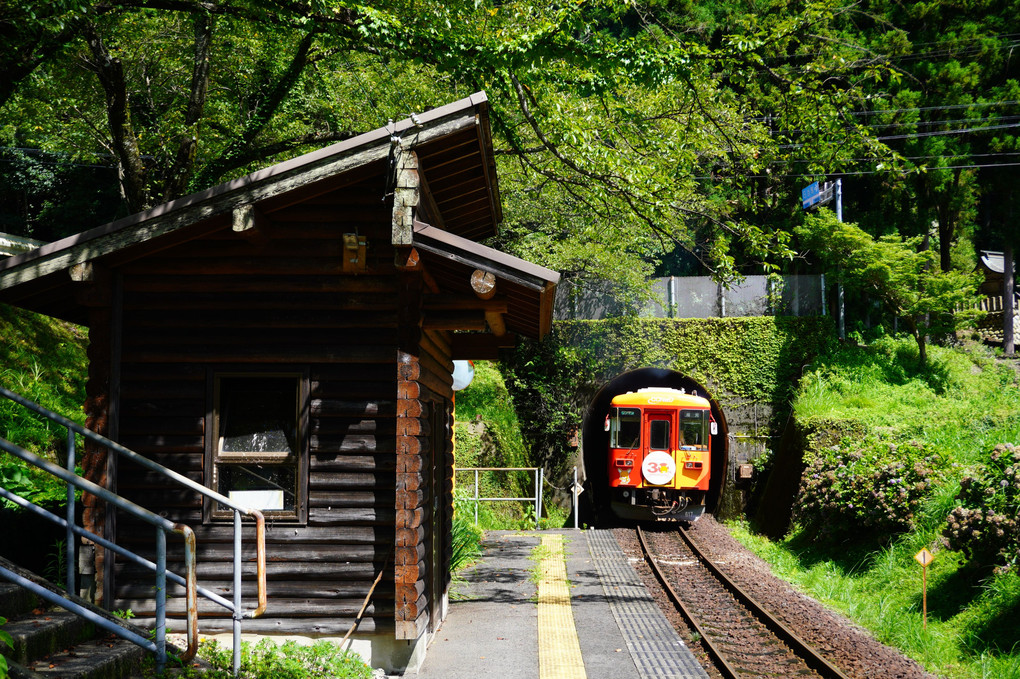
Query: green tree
{"points": [[948, 107], [628, 129], [896, 271]]}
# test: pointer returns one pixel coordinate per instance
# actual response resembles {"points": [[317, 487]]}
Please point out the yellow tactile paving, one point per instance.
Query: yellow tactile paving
{"points": [[559, 653]]}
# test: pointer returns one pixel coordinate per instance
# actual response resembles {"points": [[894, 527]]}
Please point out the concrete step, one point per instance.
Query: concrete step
{"points": [[43, 632], [102, 658], [57, 644], [15, 601]]}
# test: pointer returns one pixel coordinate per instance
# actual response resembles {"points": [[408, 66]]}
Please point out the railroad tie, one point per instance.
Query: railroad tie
{"points": [[559, 652]]}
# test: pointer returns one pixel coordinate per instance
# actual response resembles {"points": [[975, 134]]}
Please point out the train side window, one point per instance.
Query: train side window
{"points": [[693, 424], [625, 428], [658, 435]]}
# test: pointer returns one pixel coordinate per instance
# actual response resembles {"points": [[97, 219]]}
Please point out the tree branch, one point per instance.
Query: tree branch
{"points": [[241, 146], [183, 166], [110, 73]]}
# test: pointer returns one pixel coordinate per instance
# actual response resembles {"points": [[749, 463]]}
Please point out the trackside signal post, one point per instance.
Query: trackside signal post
{"points": [[819, 193]]}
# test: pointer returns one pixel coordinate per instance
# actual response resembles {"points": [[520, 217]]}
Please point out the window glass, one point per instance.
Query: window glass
{"points": [[258, 415], [693, 428], [256, 453], [658, 435], [267, 487], [625, 429]]}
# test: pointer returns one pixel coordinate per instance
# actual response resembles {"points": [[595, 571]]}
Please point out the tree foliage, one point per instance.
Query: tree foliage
{"points": [[624, 129], [897, 271], [948, 108]]}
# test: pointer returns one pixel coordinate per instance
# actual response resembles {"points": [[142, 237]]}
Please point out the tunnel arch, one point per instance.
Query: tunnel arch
{"points": [[595, 440]]}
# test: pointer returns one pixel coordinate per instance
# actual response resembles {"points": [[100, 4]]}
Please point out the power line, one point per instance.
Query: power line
{"points": [[855, 173], [922, 135], [1000, 154]]}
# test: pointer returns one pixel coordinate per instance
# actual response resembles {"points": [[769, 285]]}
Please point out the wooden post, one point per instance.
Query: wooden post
{"points": [[405, 197], [924, 597], [483, 283]]}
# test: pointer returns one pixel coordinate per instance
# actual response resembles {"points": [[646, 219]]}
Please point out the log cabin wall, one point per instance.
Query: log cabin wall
{"points": [[187, 302], [424, 484], [274, 300]]}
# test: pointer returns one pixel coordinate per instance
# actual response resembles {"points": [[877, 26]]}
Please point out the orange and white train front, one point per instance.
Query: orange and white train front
{"points": [[659, 454]]}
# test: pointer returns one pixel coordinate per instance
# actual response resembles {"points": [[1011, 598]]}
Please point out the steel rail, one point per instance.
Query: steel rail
{"points": [[801, 648], [724, 667]]}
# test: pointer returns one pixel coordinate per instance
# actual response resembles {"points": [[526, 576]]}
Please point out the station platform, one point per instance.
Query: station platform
{"points": [[555, 605]]}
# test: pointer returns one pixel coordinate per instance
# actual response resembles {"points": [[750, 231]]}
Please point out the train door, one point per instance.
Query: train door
{"points": [[658, 466]]}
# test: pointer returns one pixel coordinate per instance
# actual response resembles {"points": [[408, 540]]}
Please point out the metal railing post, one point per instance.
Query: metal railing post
{"points": [[160, 600], [75, 482], [69, 534], [573, 493], [539, 479], [476, 497], [237, 594]]}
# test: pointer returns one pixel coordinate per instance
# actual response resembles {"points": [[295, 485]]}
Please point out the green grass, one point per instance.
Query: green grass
{"points": [[486, 401], [45, 361], [972, 616], [963, 406], [287, 660]]}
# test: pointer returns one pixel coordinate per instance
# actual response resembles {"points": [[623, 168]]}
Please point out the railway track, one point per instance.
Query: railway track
{"points": [[743, 639]]}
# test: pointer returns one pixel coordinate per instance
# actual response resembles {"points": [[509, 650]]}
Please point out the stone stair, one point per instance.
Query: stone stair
{"points": [[52, 643]]}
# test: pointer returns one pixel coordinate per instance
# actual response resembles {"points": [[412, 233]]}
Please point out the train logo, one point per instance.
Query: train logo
{"points": [[666, 434]]}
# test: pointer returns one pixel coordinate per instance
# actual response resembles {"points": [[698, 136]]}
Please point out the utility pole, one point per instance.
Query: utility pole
{"points": [[839, 279], [816, 194], [1007, 297]]}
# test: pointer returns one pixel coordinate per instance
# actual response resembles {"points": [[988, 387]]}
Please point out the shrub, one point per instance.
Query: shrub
{"points": [[984, 525], [871, 487], [465, 537], [5, 640], [289, 660]]}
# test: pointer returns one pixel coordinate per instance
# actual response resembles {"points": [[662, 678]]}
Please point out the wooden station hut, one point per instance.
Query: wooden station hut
{"points": [[318, 305]]}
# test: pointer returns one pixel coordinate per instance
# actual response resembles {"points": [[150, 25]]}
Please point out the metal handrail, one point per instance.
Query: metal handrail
{"points": [[163, 526], [234, 607], [536, 498]]}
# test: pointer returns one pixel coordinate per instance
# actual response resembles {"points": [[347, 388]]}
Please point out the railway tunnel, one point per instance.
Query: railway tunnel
{"points": [[595, 439]]}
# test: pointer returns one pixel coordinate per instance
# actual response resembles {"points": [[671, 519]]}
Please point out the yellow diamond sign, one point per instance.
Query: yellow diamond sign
{"points": [[924, 557]]}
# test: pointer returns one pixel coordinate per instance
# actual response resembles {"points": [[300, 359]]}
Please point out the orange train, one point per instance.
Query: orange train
{"points": [[660, 457]]}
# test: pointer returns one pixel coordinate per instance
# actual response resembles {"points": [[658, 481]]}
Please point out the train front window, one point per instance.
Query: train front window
{"points": [[658, 435], [694, 428], [625, 428]]}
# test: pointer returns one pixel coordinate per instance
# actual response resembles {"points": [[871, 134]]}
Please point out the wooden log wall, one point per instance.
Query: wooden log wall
{"points": [[424, 483], [228, 301]]}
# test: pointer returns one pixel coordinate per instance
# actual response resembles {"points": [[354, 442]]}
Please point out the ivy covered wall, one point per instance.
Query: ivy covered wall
{"points": [[750, 365]]}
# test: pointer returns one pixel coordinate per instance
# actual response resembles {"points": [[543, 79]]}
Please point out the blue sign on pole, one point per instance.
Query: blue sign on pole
{"points": [[810, 196]]}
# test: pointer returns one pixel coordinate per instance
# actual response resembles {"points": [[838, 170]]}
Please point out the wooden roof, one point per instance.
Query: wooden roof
{"points": [[526, 291], [454, 151]]}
